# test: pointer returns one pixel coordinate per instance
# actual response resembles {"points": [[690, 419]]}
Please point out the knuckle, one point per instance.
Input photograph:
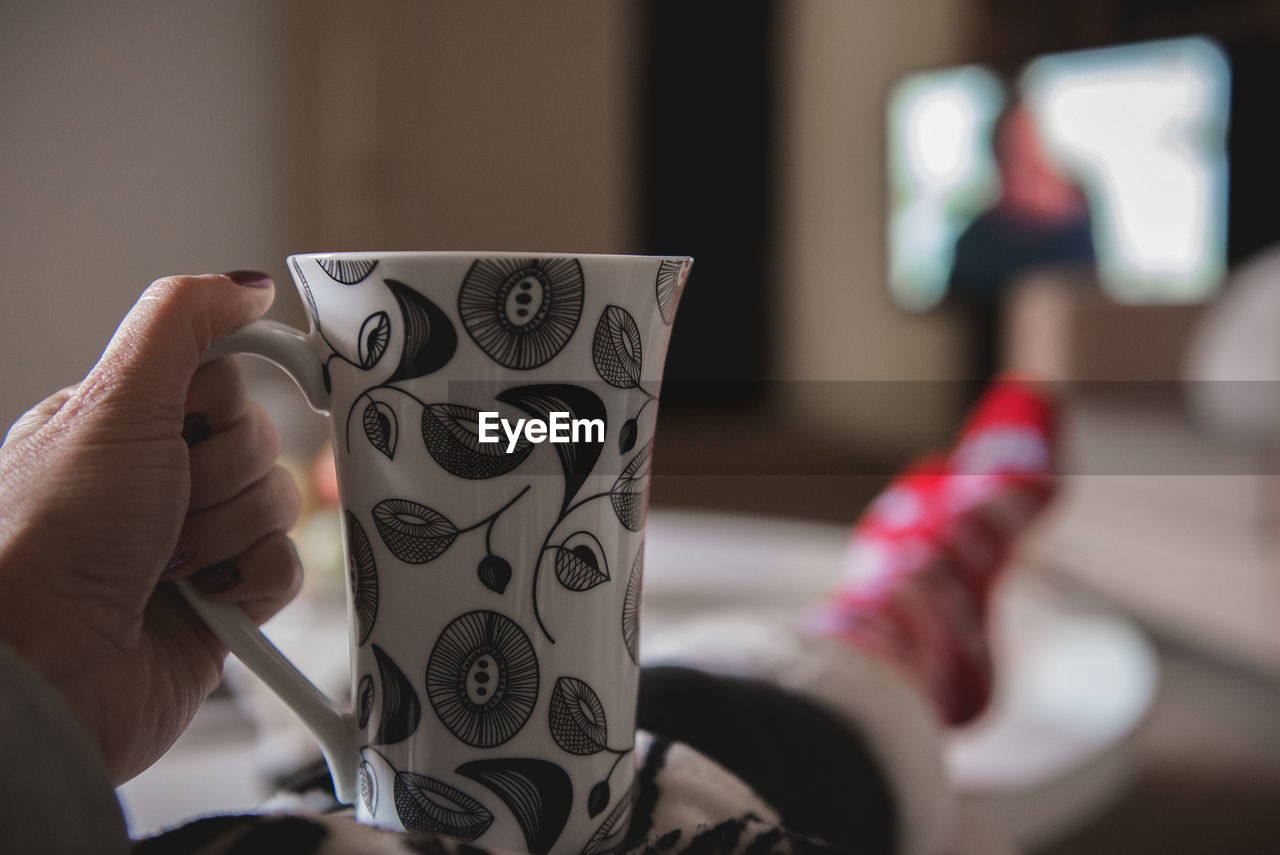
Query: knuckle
{"points": [[177, 300], [266, 435], [165, 285], [216, 378], [218, 392], [227, 374], [180, 281], [284, 495], [294, 565], [164, 296]]}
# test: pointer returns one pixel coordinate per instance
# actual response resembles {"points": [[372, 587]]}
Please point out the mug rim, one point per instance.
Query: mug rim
{"points": [[455, 254]]}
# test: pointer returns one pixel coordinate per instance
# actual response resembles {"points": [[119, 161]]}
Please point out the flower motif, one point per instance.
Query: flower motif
{"points": [[522, 311], [348, 271], [671, 278], [482, 678]]}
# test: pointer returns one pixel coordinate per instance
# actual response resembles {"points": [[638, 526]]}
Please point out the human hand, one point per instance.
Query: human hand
{"points": [[152, 468]]}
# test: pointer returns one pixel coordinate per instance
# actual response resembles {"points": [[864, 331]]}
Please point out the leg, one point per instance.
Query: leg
{"points": [[838, 726], [923, 561], [802, 759]]}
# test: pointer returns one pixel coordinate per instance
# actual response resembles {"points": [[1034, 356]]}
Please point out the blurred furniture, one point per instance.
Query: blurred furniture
{"points": [[1167, 514], [1056, 748]]}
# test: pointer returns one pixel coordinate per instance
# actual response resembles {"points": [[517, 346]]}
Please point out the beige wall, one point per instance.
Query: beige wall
{"points": [[140, 138], [839, 324], [485, 126], [147, 137]]}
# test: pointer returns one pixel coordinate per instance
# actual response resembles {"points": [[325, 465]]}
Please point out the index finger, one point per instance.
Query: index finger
{"points": [[216, 399]]}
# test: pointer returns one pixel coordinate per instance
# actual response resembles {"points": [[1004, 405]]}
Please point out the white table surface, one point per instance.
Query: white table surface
{"points": [[1076, 682]]}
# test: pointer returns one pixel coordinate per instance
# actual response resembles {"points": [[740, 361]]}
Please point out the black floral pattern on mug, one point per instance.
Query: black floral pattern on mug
{"points": [[671, 277], [631, 608], [400, 710], [451, 433], [413, 532], [426, 804], [482, 678], [429, 337], [521, 311], [538, 793], [362, 575], [579, 726], [348, 271], [612, 833]]}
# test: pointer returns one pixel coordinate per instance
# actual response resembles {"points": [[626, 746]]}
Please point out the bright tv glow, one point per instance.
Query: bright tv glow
{"points": [[1138, 131]]}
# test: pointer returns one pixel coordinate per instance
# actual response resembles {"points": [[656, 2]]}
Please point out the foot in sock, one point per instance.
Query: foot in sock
{"points": [[922, 562]]}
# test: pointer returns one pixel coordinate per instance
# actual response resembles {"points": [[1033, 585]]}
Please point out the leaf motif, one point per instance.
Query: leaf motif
{"points": [[538, 793], [627, 436], [612, 833], [375, 332], [348, 271], [362, 576], [429, 336], [414, 533], [577, 459], [364, 700], [580, 562], [400, 712], [451, 433], [616, 348], [494, 573], [576, 717], [425, 804], [367, 783], [598, 798], [311, 303], [380, 427], [630, 493], [631, 607]]}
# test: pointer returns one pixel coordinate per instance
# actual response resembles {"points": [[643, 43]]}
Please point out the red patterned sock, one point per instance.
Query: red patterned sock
{"points": [[922, 561]]}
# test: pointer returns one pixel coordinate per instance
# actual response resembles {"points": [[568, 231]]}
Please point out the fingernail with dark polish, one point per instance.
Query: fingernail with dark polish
{"points": [[249, 278], [195, 427], [217, 578], [181, 553]]}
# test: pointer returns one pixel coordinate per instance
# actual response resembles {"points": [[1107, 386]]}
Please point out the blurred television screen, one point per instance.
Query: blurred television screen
{"points": [[1112, 159]]}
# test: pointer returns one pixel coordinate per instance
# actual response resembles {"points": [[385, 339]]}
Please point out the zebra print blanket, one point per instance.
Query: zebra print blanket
{"points": [[754, 740], [683, 803]]}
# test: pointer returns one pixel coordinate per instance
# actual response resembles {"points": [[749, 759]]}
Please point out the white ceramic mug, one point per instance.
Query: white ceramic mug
{"points": [[494, 586]]}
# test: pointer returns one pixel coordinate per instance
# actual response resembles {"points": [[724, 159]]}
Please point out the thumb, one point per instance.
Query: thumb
{"points": [[150, 361]]}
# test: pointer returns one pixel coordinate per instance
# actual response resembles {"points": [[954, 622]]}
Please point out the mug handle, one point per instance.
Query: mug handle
{"points": [[335, 730]]}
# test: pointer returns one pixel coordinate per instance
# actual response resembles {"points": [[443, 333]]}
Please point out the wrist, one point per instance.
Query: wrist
{"points": [[44, 734], [34, 628]]}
